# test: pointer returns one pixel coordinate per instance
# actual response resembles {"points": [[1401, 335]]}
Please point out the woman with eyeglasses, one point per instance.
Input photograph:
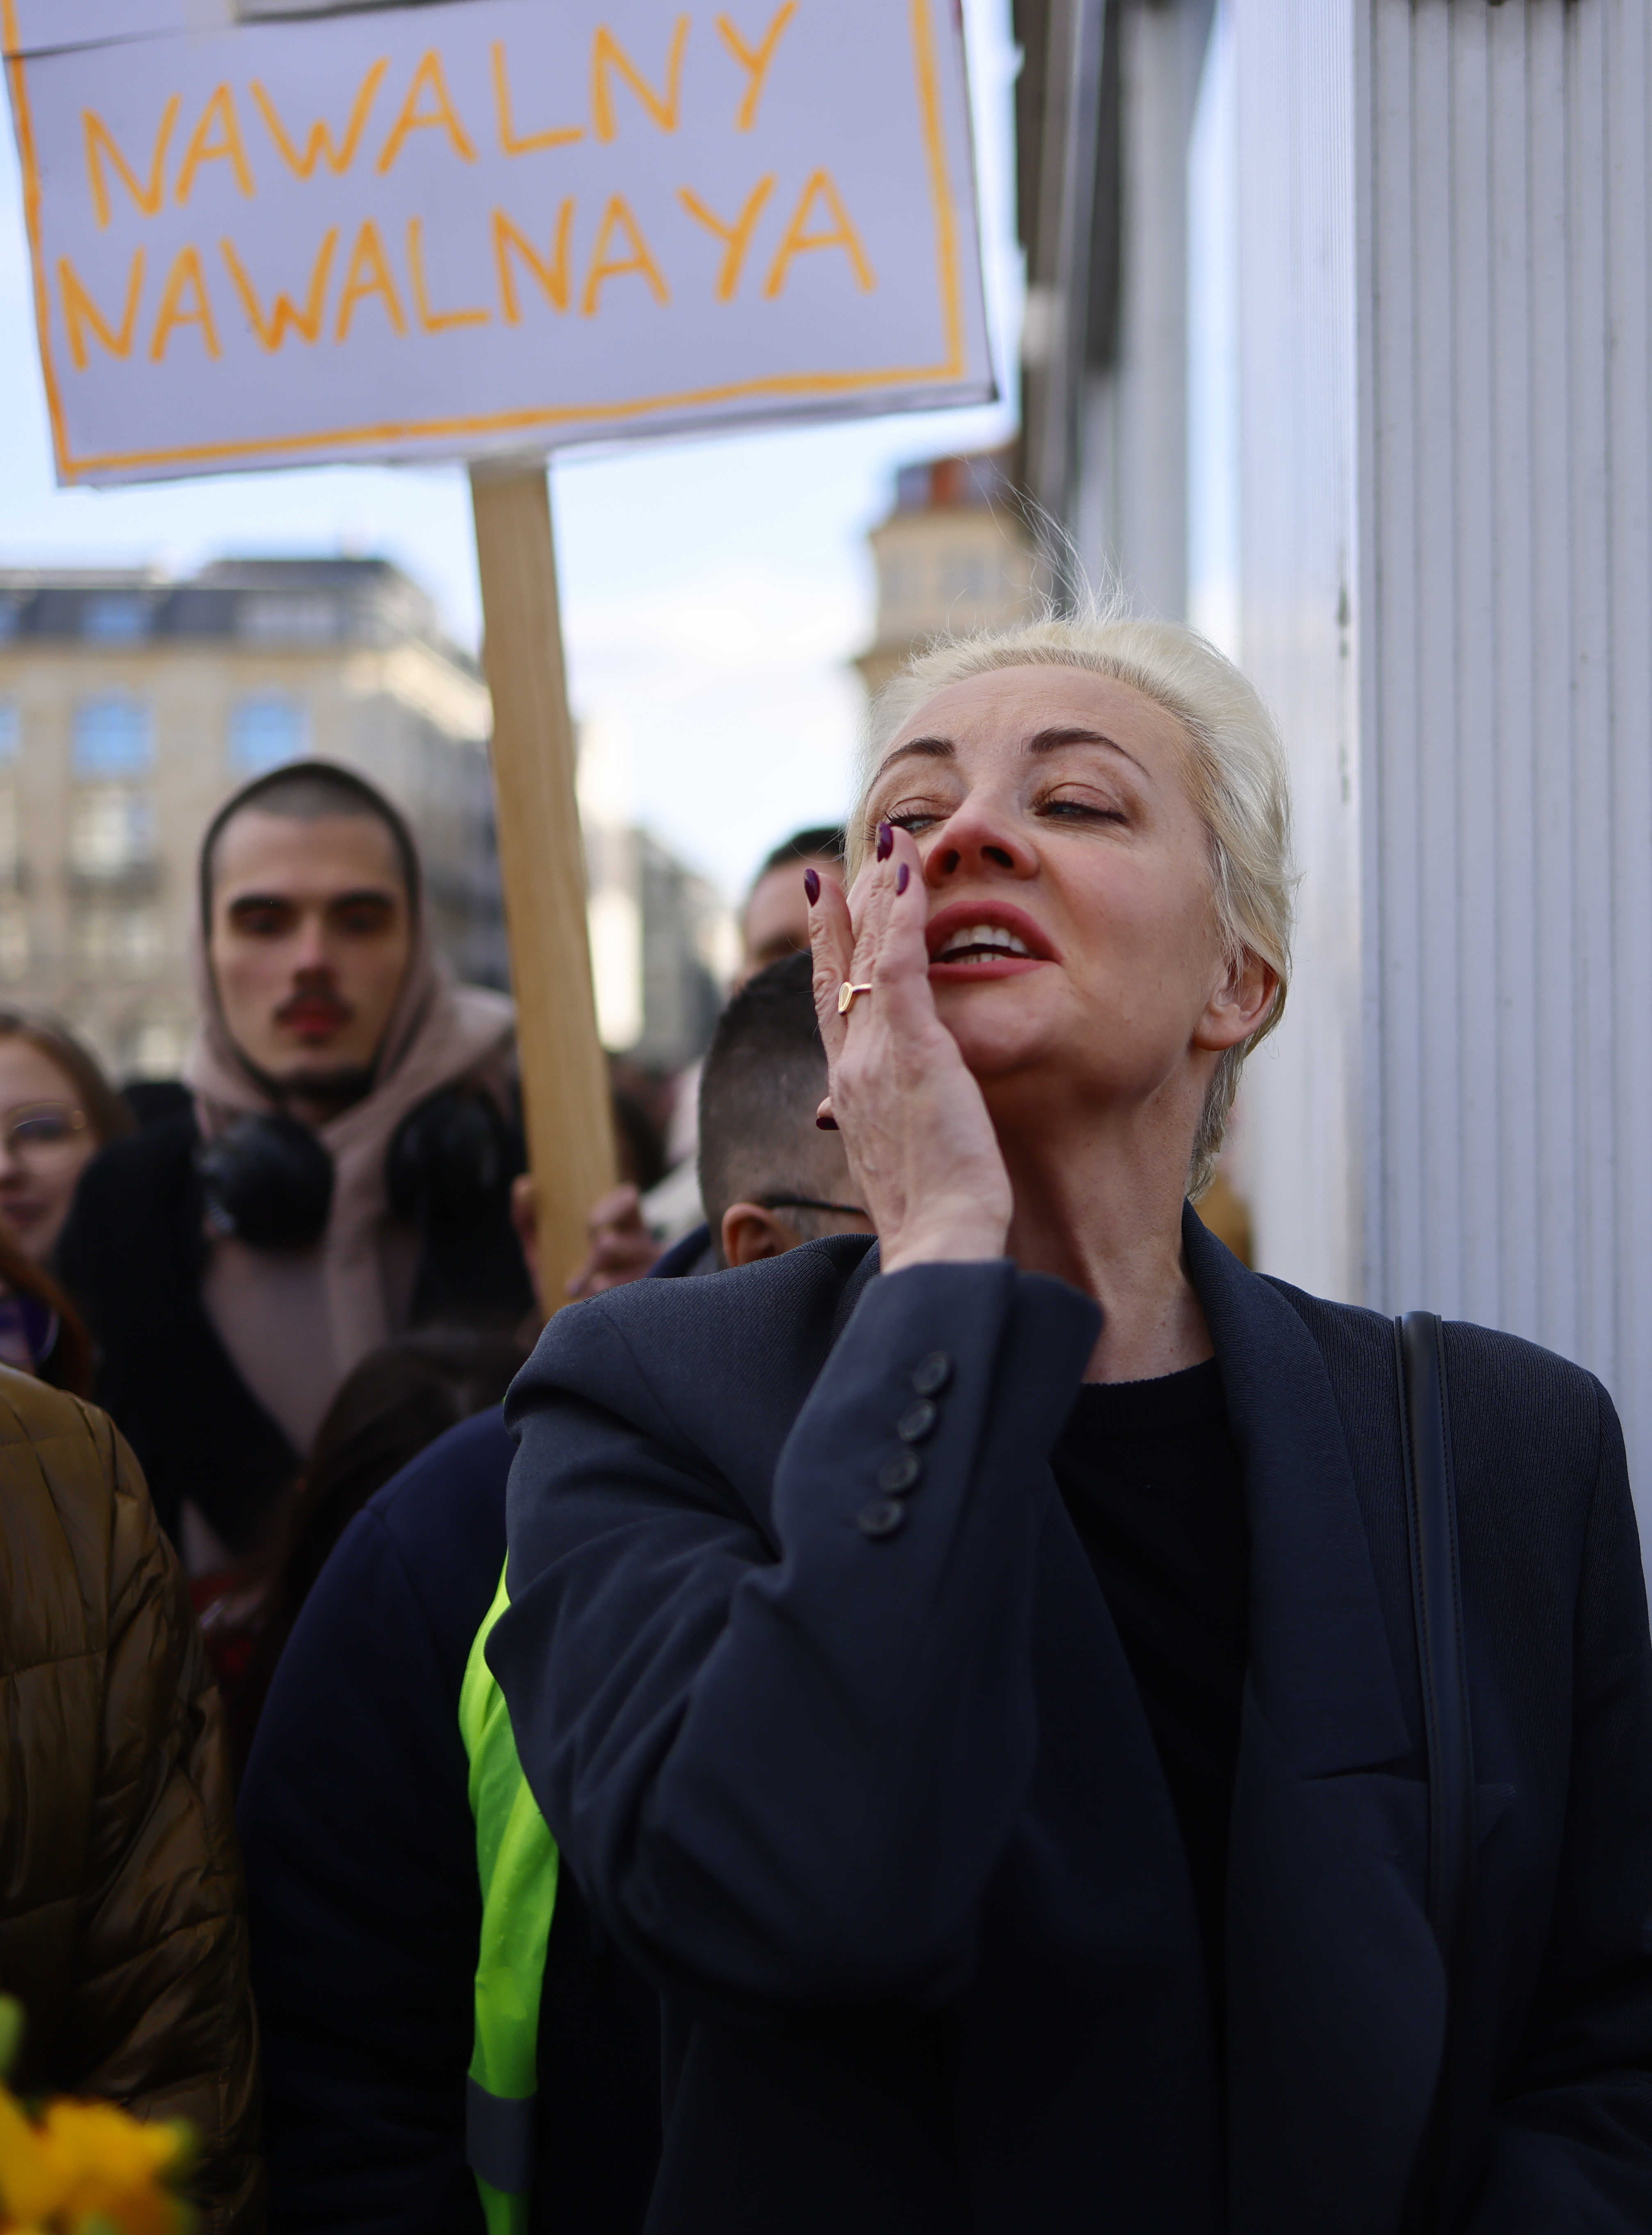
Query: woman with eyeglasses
{"points": [[56, 1112]]}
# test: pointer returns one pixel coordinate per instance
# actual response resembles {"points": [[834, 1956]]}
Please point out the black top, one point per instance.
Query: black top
{"points": [[1152, 1478]]}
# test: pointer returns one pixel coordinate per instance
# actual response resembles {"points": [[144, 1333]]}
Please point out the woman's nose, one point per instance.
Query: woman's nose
{"points": [[979, 833]]}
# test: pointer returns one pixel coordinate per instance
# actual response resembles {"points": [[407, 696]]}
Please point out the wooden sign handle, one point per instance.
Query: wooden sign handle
{"points": [[564, 1072]]}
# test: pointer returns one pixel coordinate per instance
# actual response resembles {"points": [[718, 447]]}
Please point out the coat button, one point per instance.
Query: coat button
{"points": [[881, 1517], [900, 1473], [916, 1421], [933, 1374]]}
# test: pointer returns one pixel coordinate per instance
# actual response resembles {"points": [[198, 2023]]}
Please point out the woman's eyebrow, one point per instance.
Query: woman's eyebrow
{"points": [[1042, 741], [935, 749], [1050, 741]]}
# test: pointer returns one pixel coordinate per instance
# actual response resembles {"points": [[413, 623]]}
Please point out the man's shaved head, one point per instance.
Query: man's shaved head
{"points": [[764, 1076]]}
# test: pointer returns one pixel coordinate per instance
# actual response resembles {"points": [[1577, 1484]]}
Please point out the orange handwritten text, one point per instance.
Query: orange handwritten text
{"points": [[229, 147], [442, 117], [607, 55], [81, 312], [186, 282], [554, 275], [285, 313], [562, 136], [320, 146], [100, 141], [798, 240], [434, 322], [369, 273], [735, 238], [617, 218], [755, 61]]}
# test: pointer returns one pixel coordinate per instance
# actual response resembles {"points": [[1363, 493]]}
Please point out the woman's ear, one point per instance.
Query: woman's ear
{"points": [[1239, 1004]]}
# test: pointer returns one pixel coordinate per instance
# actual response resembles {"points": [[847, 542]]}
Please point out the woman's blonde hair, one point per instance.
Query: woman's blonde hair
{"points": [[1236, 776]]}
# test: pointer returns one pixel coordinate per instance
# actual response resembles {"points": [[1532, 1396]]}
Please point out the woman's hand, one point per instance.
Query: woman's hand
{"points": [[921, 1149]]}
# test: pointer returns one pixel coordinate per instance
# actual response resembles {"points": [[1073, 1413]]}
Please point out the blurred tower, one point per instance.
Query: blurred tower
{"points": [[954, 553]]}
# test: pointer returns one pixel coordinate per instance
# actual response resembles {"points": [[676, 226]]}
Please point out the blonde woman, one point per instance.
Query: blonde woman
{"points": [[974, 1675]]}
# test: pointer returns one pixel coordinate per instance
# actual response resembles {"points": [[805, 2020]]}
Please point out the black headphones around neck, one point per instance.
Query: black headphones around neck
{"points": [[268, 1181]]}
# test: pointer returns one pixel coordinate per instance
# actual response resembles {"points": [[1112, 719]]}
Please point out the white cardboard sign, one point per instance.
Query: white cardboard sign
{"points": [[283, 237]]}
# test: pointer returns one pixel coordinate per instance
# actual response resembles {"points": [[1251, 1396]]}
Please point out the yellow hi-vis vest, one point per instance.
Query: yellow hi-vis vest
{"points": [[517, 1860]]}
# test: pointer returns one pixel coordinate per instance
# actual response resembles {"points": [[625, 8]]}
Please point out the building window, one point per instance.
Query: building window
{"points": [[14, 942], [267, 730], [913, 488], [615, 923], [153, 1049], [114, 736], [123, 942], [113, 831], [115, 619], [289, 620], [11, 732], [967, 579]]}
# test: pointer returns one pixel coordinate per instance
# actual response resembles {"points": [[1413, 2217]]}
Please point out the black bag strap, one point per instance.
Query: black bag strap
{"points": [[1436, 1593], [1442, 1659]]}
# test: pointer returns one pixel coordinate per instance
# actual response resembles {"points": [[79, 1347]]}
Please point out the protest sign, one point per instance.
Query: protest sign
{"points": [[281, 232], [439, 230]]}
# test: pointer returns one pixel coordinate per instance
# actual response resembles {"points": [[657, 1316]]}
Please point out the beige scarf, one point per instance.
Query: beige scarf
{"points": [[296, 1321]]}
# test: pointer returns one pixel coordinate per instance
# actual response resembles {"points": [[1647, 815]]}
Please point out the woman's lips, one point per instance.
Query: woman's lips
{"points": [[968, 942], [984, 967]]}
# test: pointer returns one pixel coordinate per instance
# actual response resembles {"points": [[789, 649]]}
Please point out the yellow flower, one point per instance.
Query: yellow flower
{"points": [[31, 2186], [88, 2168]]}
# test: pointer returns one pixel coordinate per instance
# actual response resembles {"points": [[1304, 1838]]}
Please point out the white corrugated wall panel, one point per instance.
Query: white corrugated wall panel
{"points": [[1298, 431], [1493, 194]]}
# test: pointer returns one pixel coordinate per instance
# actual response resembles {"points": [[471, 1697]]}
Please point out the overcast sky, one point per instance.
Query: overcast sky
{"points": [[712, 591]]}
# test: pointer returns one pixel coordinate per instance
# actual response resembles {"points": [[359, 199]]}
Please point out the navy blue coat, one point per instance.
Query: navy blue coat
{"points": [[366, 1908], [882, 1816]]}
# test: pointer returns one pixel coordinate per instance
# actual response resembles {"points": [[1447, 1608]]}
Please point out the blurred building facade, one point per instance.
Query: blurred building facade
{"points": [[131, 703], [954, 553], [662, 940]]}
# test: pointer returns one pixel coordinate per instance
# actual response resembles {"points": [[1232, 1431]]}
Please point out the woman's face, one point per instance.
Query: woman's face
{"points": [[1073, 938], [45, 1145]]}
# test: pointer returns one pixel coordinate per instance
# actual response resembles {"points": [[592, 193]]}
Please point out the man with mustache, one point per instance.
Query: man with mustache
{"points": [[343, 1173]]}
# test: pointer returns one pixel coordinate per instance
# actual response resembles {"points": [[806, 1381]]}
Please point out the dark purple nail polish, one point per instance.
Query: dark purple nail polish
{"points": [[811, 885], [885, 841], [903, 876], [827, 1124]]}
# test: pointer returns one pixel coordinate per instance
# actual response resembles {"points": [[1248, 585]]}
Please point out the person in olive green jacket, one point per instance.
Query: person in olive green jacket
{"points": [[123, 1917]]}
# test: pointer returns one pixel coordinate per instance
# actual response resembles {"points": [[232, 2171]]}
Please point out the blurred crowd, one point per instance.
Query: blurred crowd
{"points": [[256, 1325]]}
